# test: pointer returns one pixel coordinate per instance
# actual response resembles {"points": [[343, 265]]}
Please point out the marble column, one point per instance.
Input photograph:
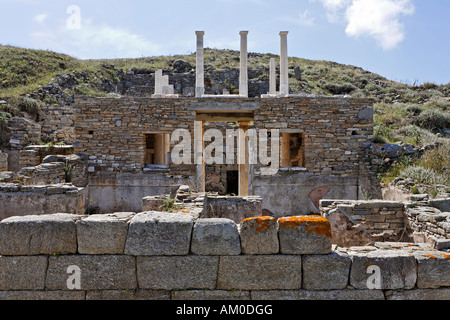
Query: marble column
{"points": [[243, 74], [159, 81], [273, 76], [284, 71], [200, 77]]}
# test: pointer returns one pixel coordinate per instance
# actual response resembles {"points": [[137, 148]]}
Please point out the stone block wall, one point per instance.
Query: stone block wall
{"points": [[361, 222], [112, 131], [23, 132], [19, 200], [58, 123], [429, 223], [335, 130], [168, 256]]}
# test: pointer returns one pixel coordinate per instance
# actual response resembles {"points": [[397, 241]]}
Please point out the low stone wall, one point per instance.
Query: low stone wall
{"points": [[168, 256], [19, 200], [361, 222], [429, 224]]}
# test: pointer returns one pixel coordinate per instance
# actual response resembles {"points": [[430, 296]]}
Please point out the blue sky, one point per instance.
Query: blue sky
{"points": [[402, 40]]}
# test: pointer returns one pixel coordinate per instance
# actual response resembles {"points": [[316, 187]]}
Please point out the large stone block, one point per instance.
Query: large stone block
{"points": [[234, 208], [326, 272], [317, 295], [103, 234], [260, 272], [122, 295], [433, 269], [35, 235], [158, 233], [259, 235], [304, 235], [22, 273], [100, 272], [215, 236], [210, 295], [42, 295], [168, 273], [383, 269], [420, 294]]}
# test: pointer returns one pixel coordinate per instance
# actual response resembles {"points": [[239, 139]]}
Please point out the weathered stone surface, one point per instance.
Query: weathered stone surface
{"points": [[35, 235], [215, 236], [344, 231], [260, 272], [156, 233], [211, 295], [419, 294], [234, 208], [326, 272], [317, 295], [42, 295], [122, 295], [100, 272], [152, 203], [168, 273], [304, 235], [22, 273], [396, 269], [433, 269], [259, 235], [103, 234]]}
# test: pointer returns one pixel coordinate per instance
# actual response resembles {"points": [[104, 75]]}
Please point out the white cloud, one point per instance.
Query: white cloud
{"points": [[40, 18], [96, 40], [306, 18], [378, 19], [335, 8]]}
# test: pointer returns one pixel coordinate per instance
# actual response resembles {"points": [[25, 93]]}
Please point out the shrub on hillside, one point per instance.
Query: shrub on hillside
{"points": [[424, 175], [344, 88], [30, 105], [432, 119], [417, 136]]}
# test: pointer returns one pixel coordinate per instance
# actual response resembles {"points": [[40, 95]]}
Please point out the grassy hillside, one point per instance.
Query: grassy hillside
{"points": [[414, 114]]}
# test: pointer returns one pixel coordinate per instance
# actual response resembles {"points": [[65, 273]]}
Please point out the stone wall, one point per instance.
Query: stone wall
{"points": [[110, 133], [23, 132], [19, 200], [57, 123], [364, 222], [124, 191], [167, 256], [112, 130], [428, 223]]}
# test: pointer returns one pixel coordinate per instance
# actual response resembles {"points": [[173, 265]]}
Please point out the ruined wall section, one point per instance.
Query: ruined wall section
{"points": [[335, 129], [20, 200], [112, 131], [167, 256]]}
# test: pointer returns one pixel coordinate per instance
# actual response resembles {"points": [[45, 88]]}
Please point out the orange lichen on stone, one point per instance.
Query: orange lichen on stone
{"points": [[258, 223], [312, 224], [446, 256], [430, 256]]}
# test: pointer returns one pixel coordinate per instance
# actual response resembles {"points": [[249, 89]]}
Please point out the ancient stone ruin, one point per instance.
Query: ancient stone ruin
{"points": [[214, 196]]}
